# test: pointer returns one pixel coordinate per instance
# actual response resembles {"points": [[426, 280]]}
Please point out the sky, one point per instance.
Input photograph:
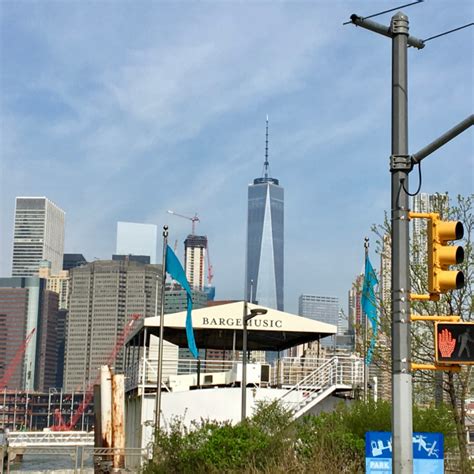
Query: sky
{"points": [[119, 111]]}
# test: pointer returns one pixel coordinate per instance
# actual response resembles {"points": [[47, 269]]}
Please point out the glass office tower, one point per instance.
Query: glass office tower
{"points": [[265, 225], [38, 235]]}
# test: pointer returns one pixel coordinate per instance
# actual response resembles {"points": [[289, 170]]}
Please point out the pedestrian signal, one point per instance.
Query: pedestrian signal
{"points": [[441, 255], [454, 343]]}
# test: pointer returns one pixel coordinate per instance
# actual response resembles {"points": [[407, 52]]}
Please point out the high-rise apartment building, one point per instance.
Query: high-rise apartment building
{"points": [[104, 295], [264, 277], [60, 284], [26, 305], [38, 235], [195, 247], [137, 239]]}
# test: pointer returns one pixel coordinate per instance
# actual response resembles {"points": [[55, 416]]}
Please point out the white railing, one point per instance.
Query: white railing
{"points": [[325, 375], [50, 438], [289, 371], [320, 382], [144, 372], [286, 372]]}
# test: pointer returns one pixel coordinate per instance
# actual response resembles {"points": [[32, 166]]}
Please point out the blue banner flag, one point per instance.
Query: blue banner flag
{"points": [[175, 269], [368, 303]]}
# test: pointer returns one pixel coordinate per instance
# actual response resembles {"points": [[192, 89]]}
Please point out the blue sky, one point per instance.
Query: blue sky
{"points": [[118, 111]]}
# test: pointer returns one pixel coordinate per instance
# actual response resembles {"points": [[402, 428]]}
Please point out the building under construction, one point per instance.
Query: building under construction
{"points": [[35, 411]]}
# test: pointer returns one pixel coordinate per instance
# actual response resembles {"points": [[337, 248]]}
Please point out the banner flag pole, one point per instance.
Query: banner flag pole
{"points": [[159, 376]]}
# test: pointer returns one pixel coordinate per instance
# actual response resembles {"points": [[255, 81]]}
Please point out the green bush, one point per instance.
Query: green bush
{"points": [[270, 442], [211, 446]]}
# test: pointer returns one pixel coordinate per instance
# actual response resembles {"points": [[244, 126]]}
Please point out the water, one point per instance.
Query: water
{"points": [[48, 463]]}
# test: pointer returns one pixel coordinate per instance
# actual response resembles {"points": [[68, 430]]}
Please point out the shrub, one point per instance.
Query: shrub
{"points": [[270, 442], [210, 446]]}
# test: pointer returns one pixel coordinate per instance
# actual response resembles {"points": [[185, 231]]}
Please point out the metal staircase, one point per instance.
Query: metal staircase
{"points": [[315, 387]]}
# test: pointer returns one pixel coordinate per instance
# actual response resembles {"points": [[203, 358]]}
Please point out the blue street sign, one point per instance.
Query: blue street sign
{"points": [[428, 453]]}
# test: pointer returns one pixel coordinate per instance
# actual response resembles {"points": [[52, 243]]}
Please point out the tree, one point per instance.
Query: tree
{"points": [[428, 385]]}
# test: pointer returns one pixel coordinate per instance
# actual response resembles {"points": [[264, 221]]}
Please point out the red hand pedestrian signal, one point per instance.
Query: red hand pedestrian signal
{"points": [[446, 343], [454, 342]]}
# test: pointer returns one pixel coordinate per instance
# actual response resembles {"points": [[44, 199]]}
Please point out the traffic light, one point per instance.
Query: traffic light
{"points": [[441, 255], [454, 343]]}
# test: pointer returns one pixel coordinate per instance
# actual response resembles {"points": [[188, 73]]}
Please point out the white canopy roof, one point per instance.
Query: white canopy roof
{"points": [[214, 328]]}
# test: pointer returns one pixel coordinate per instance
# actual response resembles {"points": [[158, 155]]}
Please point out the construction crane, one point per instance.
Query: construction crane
{"points": [[15, 361], [210, 270], [192, 219], [89, 393]]}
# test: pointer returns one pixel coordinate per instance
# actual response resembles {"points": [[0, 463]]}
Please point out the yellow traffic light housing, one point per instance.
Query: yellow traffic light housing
{"points": [[441, 255]]}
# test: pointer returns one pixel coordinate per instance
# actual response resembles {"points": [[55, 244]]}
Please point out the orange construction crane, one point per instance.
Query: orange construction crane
{"points": [[192, 219], [89, 392], [15, 361]]}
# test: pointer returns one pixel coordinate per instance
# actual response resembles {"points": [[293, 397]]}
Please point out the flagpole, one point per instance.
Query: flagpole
{"points": [[366, 366], [160, 343]]}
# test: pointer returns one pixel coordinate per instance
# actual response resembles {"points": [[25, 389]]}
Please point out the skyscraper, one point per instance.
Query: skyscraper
{"points": [[320, 308], [104, 295], [137, 239], [265, 225], [195, 260], [60, 284], [38, 235], [26, 305]]}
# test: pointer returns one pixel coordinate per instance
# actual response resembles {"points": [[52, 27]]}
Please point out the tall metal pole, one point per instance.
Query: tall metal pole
{"points": [[366, 366], [244, 363], [402, 425], [162, 325]]}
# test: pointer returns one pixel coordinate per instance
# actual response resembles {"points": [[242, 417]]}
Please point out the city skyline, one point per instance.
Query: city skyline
{"points": [[124, 123]]}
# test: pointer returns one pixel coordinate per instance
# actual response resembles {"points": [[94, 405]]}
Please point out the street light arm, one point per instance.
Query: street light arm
{"points": [[384, 30], [443, 139]]}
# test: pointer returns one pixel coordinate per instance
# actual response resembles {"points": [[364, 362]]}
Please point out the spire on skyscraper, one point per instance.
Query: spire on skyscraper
{"points": [[266, 164], [266, 177]]}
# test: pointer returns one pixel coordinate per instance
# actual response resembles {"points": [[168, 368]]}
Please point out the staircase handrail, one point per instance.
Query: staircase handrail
{"points": [[330, 363]]}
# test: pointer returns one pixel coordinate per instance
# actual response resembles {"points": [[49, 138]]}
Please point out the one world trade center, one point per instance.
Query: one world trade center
{"points": [[265, 225]]}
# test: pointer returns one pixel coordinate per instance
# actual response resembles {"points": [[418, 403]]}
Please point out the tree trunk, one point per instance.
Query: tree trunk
{"points": [[460, 422]]}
